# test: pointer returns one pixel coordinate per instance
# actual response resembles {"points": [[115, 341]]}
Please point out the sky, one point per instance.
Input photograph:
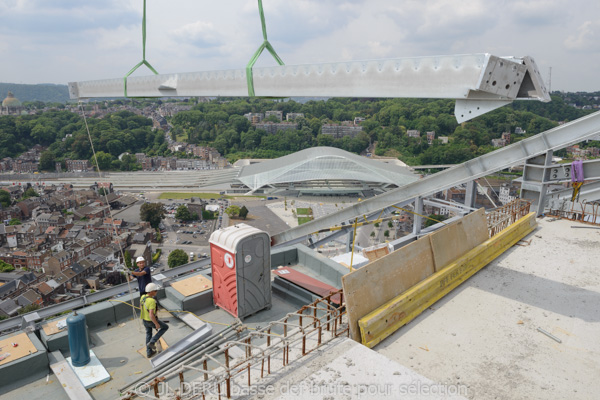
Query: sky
{"points": [[60, 41]]}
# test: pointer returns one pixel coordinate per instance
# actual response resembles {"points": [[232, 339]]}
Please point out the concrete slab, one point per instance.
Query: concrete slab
{"points": [[345, 369], [92, 374], [484, 334]]}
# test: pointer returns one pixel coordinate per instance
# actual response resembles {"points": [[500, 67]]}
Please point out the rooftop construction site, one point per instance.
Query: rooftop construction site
{"points": [[497, 302]]}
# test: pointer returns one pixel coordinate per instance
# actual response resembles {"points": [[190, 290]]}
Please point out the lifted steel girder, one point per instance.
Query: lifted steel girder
{"points": [[479, 82]]}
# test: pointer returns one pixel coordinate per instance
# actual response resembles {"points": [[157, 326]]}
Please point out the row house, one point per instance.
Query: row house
{"points": [[29, 297], [27, 206], [78, 165], [6, 164], [25, 167], [8, 213], [15, 191], [58, 262], [19, 259]]}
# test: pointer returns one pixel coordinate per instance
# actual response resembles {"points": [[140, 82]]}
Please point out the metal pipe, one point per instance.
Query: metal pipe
{"points": [[165, 368]]}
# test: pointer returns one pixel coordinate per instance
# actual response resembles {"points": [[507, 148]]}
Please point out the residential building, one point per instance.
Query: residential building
{"points": [[78, 165], [341, 130]]}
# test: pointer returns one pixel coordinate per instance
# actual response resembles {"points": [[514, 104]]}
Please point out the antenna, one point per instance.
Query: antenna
{"points": [[550, 80]]}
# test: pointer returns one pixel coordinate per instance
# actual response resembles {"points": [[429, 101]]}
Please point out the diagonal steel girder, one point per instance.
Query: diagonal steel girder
{"points": [[553, 139], [479, 82]]}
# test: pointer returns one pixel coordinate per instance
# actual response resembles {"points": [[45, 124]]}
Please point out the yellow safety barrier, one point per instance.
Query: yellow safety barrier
{"points": [[385, 320]]}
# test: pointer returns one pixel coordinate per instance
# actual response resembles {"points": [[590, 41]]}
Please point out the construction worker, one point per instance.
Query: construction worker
{"points": [[142, 273], [148, 314]]}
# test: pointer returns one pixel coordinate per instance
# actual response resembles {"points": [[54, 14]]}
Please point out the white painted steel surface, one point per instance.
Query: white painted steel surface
{"points": [[474, 78]]}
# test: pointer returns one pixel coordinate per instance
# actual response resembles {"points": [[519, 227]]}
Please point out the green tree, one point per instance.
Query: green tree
{"points": [[14, 221], [390, 224], [30, 192], [386, 233], [176, 258], [5, 198], [28, 308], [434, 219], [48, 161], [153, 213], [183, 213], [232, 211], [6, 267], [208, 214], [104, 161], [243, 212]]}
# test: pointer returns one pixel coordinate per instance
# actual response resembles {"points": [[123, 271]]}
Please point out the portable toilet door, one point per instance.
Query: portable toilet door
{"points": [[241, 269]]}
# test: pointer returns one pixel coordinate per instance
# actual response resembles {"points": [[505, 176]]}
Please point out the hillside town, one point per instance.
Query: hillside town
{"points": [[62, 243]]}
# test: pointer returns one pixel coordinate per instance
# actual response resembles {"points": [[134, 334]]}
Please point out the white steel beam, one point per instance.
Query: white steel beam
{"points": [[482, 82], [553, 139]]}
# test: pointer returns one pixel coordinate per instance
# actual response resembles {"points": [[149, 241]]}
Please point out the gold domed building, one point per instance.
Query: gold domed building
{"points": [[11, 105]]}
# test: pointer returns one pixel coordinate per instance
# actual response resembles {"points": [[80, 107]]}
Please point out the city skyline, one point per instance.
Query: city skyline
{"points": [[62, 41]]}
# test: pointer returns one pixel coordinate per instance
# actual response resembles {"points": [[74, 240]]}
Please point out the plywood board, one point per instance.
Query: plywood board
{"points": [[160, 347], [51, 327], [376, 254], [458, 238], [195, 284], [25, 347], [381, 280]]}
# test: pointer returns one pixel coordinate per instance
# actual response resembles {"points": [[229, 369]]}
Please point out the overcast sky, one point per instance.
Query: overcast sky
{"points": [[57, 41]]}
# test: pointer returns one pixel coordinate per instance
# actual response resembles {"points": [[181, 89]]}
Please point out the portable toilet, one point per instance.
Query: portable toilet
{"points": [[241, 269]]}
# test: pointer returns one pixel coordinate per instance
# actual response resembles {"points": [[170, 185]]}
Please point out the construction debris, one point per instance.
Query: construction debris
{"points": [[551, 336]]}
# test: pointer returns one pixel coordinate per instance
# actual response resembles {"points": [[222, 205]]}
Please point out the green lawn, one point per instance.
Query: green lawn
{"points": [[304, 211], [303, 220]]}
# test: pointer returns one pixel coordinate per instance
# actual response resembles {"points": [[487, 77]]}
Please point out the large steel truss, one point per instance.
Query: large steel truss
{"points": [[479, 82]]}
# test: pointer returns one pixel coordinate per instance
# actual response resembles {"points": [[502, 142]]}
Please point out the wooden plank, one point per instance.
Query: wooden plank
{"points": [[160, 347], [388, 318], [195, 284], [377, 253], [67, 377], [457, 238], [307, 282], [381, 280], [51, 327], [24, 347]]}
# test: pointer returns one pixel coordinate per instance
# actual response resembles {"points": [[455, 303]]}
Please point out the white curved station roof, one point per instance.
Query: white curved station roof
{"points": [[323, 163]]}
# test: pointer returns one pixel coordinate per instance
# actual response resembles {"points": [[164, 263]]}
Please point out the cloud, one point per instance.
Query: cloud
{"points": [[587, 38], [198, 33]]}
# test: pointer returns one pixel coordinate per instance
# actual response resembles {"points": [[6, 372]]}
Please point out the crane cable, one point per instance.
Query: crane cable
{"points": [[112, 220]]}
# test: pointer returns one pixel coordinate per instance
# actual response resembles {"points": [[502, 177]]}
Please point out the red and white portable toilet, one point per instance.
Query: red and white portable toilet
{"points": [[241, 269]]}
